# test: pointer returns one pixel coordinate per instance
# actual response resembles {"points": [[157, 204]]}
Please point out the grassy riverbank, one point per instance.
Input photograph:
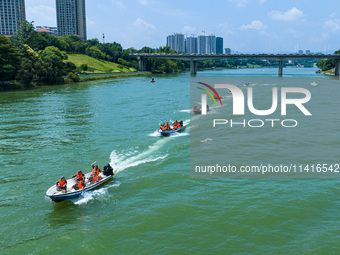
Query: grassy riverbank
{"points": [[97, 66], [12, 86]]}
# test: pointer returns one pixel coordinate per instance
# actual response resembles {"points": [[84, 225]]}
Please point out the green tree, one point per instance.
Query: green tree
{"points": [[84, 67], [52, 66], [26, 72], [95, 52], [9, 59]]}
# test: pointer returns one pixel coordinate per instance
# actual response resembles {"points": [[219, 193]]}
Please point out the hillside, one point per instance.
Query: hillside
{"points": [[98, 65]]}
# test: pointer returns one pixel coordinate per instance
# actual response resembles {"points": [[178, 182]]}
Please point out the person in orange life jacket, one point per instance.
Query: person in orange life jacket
{"points": [[79, 185], [178, 125], [175, 123], [167, 126], [162, 127], [95, 168], [175, 127], [61, 184], [79, 175], [195, 108]]}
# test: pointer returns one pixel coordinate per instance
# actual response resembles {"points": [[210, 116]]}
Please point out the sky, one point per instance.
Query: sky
{"points": [[247, 26]]}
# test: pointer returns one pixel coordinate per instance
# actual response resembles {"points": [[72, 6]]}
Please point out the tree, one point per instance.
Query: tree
{"points": [[52, 66], [84, 67], [26, 72], [95, 52], [9, 59]]}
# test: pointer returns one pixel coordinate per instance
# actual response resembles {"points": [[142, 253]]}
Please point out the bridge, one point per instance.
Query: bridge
{"points": [[193, 58]]}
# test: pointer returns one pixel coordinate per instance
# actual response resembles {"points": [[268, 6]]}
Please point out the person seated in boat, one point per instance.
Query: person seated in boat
{"points": [[167, 126], [80, 184], [175, 127], [61, 184], [162, 128], [79, 175], [195, 108], [181, 123], [176, 122], [178, 125], [108, 170]]}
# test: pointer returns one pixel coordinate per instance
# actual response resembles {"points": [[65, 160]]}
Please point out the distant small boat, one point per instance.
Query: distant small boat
{"points": [[152, 80], [317, 71], [314, 83], [199, 110]]}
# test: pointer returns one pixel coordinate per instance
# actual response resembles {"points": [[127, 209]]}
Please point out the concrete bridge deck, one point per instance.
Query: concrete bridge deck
{"points": [[193, 58]]}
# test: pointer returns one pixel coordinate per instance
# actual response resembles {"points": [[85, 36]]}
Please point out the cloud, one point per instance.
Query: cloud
{"points": [[239, 3], [331, 25], [143, 2], [289, 15], [226, 29], [42, 15], [189, 29], [255, 25], [139, 23], [118, 3]]}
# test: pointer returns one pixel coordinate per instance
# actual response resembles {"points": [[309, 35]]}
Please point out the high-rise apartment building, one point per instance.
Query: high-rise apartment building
{"points": [[12, 14], [71, 18], [191, 45], [176, 42], [219, 45]]}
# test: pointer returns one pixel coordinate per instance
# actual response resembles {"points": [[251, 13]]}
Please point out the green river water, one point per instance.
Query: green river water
{"points": [[153, 205]]}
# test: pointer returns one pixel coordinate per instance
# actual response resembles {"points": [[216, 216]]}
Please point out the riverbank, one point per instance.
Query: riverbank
{"points": [[13, 86]]}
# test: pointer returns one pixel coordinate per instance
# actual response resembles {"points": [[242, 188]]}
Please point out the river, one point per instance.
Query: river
{"points": [[153, 205]]}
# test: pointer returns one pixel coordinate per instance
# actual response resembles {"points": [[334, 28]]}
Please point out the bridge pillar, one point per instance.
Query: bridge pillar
{"points": [[280, 67], [142, 64], [337, 67], [193, 67]]}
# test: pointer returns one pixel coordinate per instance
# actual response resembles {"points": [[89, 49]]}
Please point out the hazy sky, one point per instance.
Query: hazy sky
{"points": [[269, 26]]}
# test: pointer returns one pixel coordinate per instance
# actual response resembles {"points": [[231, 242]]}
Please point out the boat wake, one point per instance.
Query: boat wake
{"points": [[187, 111], [122, 161], [90, 195]]}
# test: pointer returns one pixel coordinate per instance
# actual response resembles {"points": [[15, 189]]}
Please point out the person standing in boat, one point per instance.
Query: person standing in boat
{"points": [[62, 184], [95, 168]]}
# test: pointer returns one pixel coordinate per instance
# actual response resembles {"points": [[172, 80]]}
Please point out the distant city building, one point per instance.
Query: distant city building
{"points": [[191, 45], [71, 18], [219, 45], [176, 42], [53, 30], [227, 51], [201, 44], [12, 14], [211, 44], [300, 52], [307, 51]]}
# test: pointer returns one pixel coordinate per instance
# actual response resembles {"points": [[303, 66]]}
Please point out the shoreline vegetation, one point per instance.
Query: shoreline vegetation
{"points": [[31, 59]]}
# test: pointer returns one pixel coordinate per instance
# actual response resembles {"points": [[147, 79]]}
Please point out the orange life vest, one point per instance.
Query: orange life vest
{"points": [[195, 108], [95, 172], [79, 175], [162, 127], [178, 126], [95, 178], [80, 185], [62, 183], [175, 127], [167, 125], [175, 123]]}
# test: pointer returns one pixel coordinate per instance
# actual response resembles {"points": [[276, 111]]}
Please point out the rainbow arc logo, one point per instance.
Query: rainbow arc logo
{"points": [[208, 92]]}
